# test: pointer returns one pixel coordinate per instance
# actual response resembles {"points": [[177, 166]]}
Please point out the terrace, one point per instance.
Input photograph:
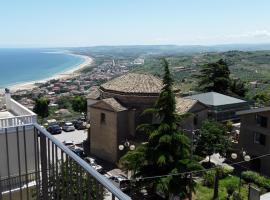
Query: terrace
{"points": [[35, 165], [13, 114]]}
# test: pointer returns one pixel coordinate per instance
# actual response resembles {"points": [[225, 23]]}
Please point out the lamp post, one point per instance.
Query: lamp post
{"points": [[247, 159], [126, 144], [193, 133]]}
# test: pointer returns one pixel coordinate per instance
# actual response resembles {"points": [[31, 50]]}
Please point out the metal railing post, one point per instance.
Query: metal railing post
{"points": [[43, 158]]}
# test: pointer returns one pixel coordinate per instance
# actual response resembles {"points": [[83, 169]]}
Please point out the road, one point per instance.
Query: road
{"points": [[78, 136]]}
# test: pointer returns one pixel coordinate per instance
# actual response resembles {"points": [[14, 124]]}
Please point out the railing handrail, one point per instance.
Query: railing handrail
{"points": [[100, 178], [20, 116]]}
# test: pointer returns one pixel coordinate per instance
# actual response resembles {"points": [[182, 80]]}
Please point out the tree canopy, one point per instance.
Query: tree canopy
{"points": [[79, 104], [213, 139], [167, 150], [215, 77], [41, 107]]}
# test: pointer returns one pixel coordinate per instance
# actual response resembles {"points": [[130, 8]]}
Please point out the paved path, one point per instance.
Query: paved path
{"points": [[78, 136]]}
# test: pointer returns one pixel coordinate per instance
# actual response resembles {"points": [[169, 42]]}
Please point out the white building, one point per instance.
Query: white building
{"points": [[16, 140]]}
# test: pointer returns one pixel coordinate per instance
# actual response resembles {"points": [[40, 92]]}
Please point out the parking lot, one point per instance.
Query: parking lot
{"points": [[78, 136]]}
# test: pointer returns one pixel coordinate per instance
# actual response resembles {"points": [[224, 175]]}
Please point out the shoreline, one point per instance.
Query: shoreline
{"points": [[69, 73]]}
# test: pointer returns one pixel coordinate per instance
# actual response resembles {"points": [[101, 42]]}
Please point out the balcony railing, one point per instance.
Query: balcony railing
{"points": [[23, 116], [35, 165], [17, 121]]}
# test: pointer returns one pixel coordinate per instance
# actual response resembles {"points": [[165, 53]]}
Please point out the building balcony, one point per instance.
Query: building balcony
{"points": [[35, 165], [14, 114]]}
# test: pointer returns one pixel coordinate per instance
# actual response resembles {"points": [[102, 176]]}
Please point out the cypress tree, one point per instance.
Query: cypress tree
{"points": [[167, 150]]}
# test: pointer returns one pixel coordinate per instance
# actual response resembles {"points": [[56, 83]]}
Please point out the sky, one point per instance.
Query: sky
{"points": [[75, 23]]}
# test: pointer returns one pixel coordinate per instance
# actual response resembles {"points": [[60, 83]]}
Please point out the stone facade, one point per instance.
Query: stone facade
{"points": [[116, 113]]}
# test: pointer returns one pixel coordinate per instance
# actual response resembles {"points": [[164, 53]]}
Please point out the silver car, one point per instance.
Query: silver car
{"points": [[68, 126], [92, 163]]}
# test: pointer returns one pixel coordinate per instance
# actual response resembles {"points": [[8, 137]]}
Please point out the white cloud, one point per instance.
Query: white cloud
{"points": [[253, 34]]}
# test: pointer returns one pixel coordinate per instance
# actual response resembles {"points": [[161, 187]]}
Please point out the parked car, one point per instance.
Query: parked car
{"points": [[69, 143], [92, 162], [79, 152], [80, 125], [68, 126], [82, 119], [121, 182], [54, 129]]}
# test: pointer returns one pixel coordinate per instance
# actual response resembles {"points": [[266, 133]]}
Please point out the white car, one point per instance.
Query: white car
{"points": [[121, 182], [92, 162], [68, 126], [69, 143]]}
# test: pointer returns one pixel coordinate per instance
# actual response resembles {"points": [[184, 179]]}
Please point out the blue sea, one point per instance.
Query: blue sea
{"points": [[24, 65]]}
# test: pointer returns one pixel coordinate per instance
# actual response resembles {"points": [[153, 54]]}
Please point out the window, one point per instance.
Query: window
{"points": [[261, 121], [259, 138], [102, 117], [195, 120]]}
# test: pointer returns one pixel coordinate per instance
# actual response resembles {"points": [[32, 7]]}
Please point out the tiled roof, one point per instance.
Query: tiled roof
{"points": [[134, 83], [184, 105], [114, 104], [215, 99]]}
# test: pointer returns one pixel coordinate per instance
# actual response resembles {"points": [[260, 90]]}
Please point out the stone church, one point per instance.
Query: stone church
{"points": [[115, 110]]}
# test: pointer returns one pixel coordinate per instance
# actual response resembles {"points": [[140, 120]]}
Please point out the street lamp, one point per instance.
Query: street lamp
{"points": [[246, 158], [126, 144], [193, 133]]}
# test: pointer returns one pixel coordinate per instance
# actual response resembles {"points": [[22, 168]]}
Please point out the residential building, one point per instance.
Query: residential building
{"points": [[221, 107], [255, 136], [195, 110], [117, 110]]}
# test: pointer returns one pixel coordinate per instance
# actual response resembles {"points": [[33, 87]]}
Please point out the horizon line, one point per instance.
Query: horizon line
{"points": [[130, 45]]}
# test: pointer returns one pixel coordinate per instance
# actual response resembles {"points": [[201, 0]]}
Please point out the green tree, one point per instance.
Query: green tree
{"points": [[214, 77], [41, 107], [167, 150], [238, 87], [64, 102], [79, 104], [213, 139], [262, 98]]}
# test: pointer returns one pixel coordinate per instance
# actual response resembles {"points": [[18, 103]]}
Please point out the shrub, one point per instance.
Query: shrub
{"points": [[209, 178], [225, 171], [230, 189], [237, 196], [254, 177]]}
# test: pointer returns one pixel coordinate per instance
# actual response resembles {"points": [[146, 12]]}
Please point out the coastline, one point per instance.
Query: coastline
{"points": [[69, 73]]}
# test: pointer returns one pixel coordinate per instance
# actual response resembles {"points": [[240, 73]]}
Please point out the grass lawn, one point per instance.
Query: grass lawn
{"points": [[206, 193]]}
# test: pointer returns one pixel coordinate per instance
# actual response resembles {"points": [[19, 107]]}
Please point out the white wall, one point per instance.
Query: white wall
{"points": [[13, 151]]}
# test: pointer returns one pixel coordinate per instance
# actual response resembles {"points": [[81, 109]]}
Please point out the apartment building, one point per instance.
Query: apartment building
{"points": [[255, 136]]}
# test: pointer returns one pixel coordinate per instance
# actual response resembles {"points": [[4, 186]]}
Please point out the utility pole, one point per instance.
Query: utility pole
{"points": [[191, 158], [190, 175]]}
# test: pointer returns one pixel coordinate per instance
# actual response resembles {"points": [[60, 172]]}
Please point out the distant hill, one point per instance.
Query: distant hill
{"points": [[136, 50], [249, 62]]}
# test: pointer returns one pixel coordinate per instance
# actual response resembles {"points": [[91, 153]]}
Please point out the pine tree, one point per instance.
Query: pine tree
{"points": [[167, 150], [214, 77]]}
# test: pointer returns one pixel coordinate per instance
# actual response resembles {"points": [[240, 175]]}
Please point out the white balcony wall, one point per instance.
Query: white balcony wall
{"points": [[12, 147]]}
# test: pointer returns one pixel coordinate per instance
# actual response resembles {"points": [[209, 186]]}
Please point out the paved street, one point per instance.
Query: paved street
{"points": [[78, 136]]}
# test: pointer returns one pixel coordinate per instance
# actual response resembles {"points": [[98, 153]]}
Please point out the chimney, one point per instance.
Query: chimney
{"points": [[7, 98]]}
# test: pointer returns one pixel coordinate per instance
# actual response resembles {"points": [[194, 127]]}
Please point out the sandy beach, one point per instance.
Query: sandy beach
{"points": [[63, 75]]}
